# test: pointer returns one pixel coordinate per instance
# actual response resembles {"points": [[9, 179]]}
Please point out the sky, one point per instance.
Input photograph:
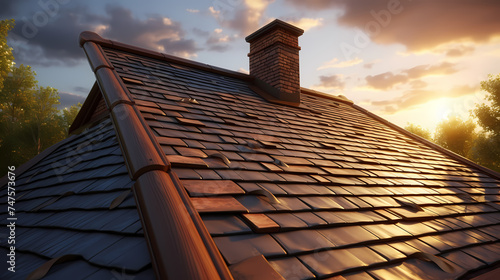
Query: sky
{"points": [[407, 61]]}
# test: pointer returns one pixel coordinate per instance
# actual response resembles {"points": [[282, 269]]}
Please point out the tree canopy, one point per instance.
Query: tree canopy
{"points": [[418, 130], [487, 148], [29, 119], [456, 135], [477, 139], [6, 57]]}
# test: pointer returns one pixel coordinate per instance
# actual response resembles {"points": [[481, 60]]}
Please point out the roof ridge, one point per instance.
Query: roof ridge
{"points": [[340, 98], [88, 36], [430, 144]]}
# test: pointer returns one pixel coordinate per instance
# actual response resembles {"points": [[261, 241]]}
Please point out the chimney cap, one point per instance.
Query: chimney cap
{"points": [[272, 25]]}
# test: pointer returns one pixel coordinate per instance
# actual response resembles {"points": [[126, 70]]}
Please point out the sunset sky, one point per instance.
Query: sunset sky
{"points": [[407, 61]]}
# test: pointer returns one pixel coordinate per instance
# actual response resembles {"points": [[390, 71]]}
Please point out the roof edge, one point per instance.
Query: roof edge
{"points": [[88, 36], [85, 116], [339, 98], [434, 146], [32, 162]]}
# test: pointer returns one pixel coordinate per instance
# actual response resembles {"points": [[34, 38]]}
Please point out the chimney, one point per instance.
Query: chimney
{"points": [[274, 59]]}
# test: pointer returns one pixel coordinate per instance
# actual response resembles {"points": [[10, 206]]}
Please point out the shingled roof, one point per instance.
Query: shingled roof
{"points": [[182, 170]]}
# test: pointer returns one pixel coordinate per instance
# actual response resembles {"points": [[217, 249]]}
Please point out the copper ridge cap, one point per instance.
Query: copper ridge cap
{"points": [[89, 36], [275, 24]]}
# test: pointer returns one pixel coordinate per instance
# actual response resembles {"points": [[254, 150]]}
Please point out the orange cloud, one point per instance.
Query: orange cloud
{"points": [[419, 25], [334, 63], [414, 97], [419, 71], [331, 82], [388, 80], [385, 80]]}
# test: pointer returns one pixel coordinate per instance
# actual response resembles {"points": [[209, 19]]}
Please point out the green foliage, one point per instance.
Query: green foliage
{"points": [[486, 151], [16, 100], [29, 119], [456, 135], [43, 119], [69, 115], [418, 130], [488, 115], [6, 57], [16, 95], [487, 148]]}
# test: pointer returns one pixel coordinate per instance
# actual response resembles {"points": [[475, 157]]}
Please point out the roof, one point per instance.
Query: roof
{"points": [[62, 206], [228, 182]]}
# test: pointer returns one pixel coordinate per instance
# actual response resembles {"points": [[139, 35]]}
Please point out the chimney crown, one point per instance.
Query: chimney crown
{"points": [[274, 59]]}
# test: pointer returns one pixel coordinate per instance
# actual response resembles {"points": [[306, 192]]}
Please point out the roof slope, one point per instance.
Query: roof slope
{"points": [[319, 192], [322, 190], [63, 209]]}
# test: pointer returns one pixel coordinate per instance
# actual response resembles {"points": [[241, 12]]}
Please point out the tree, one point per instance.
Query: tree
{"points": [[16, 99], [43, 118], [69, 115], [488, 115], [16, 95], [456, 135], [486, 151], [418, 130], [6, 57], [29, 119], [487, 148]]}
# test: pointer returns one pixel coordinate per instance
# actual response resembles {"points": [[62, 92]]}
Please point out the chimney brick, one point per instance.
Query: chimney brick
{"points": [[274, 58]]}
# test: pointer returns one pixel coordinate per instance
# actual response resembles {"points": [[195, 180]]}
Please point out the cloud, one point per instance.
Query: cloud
{"points": [[457, 50], [385, 80], [52, 44], [414, 97], [157, 32], [315, 4], [368, 65], [193, 11], [388, 80], [445, 68], [8, 9], [83, 90], [218, 41], [419, 25], [418, 84], [67, 99], [56, 41], [307, 23], [342, 64], [244, 16], [331, 82]]}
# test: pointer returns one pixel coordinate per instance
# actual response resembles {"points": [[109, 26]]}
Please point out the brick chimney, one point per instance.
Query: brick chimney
{"points": [[274, 59]]}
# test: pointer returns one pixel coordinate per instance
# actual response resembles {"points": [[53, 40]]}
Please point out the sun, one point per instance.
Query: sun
{"points": [[442, 109]]}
